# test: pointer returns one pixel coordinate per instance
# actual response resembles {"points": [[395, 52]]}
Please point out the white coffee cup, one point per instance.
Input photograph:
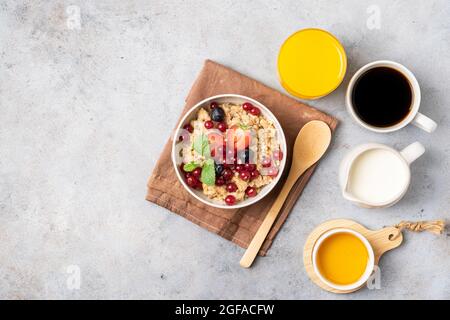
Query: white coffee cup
{"points": [[414, 116], [370, 262]]}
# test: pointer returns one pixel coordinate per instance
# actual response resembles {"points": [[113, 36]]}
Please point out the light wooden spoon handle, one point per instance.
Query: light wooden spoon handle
{"points": [[257, 241]]}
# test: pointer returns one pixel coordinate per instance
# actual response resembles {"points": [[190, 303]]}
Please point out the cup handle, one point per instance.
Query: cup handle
{"points": [[423, 122], [412, 152]]}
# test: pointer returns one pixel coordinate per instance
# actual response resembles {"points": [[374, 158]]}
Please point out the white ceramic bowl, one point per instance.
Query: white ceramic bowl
{"points": [[238, 99], [370, 263]]}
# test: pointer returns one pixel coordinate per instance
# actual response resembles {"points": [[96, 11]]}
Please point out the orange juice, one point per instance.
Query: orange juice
{"points": [[311, 63], [342, 258]]}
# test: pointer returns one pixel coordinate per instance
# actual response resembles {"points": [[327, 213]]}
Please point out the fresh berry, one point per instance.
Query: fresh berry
{"points": [[239, 167], [230, 200], [188, 127], [255, 111], [197, 172], [187, 175], [231, 166], [209, 124], [266, 162], [250, 167], [191, 181], [231, 187], [239, 137], [227, 174], [222, 126], [272, 172], [220, 181], [247, 106], [213, 105], [199, 185], [250, 191], [278, 155], [184, 136], [244, 175], [254, 174], [217, 114], [219, 169]]}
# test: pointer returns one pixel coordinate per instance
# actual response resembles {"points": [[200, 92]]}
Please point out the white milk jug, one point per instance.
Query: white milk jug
{"points": [[374, 175]]}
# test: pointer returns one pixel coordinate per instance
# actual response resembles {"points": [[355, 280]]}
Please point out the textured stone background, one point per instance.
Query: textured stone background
{"points": [[85, 112]]}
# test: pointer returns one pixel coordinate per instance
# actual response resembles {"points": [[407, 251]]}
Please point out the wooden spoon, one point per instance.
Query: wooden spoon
{"points": [[311, 143]]}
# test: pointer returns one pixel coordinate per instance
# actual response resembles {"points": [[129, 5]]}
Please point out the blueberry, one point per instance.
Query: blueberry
{"points": [[217, 114], [219, 169]]}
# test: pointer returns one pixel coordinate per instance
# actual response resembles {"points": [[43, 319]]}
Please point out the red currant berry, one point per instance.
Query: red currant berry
{"points": [[239, 167], [213, 105], [230, 200], [231, 187], [209, 124], [191, 181], [244, 175], [188, 127], [227, 174], [278, 155], [272, 172], [255, 111], [251, 191], [199, 185], [247, 106], [266, 162], [254, 174], [250, 167], [197, 172], [220, 181], [222, 126]]}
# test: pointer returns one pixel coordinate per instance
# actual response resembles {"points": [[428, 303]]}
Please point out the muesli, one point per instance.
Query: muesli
{"points": [[229, 151]]}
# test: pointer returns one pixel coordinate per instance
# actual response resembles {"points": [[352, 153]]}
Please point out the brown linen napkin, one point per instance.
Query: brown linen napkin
{"points": [[238, 225]]}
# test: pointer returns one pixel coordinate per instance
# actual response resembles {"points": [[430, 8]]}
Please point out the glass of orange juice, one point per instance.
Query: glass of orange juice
{"points": [[311, 63]]}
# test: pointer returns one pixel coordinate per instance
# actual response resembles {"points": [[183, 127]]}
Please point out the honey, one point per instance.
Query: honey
{"points": [[342, 258]]}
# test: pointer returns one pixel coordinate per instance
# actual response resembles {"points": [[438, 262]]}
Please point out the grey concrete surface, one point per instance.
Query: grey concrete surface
{"points": [[85, 112]]}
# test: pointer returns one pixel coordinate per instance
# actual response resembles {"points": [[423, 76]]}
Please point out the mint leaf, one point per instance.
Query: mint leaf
{"points": [[208, 173], [201, 145], [189, 167]]}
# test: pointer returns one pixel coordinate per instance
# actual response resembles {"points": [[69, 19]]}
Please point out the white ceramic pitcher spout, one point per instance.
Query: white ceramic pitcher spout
{"points": [[407, 156]]}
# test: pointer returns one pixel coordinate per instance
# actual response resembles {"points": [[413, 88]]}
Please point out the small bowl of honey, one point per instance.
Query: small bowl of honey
{"points": [[343, 259]]}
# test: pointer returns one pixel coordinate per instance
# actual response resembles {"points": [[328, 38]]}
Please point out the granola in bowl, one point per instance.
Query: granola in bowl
{"points": [[229, 152]]}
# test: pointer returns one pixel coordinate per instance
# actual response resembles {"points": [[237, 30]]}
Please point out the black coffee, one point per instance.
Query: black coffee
{"points": [[382, 97]]}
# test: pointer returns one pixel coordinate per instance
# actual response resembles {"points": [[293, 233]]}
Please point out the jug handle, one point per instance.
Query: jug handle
{"points": [[413, 152]]}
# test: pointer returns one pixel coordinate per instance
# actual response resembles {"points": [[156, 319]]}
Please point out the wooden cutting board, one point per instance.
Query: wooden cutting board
{"points": [[381, 241]]}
